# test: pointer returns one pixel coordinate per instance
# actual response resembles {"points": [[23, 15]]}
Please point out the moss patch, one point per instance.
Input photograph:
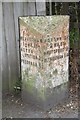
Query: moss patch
{"points": [[42, 93], [29, 83]]}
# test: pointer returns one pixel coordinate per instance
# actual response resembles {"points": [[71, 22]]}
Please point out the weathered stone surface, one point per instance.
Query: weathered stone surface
{"points": [[50, 98], [44, 45]]}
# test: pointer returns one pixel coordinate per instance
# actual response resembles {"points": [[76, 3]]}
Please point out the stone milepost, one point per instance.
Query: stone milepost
{"points": [[44, 45]]}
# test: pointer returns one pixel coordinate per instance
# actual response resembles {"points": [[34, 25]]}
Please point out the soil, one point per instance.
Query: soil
{"points": [[13, 107]]}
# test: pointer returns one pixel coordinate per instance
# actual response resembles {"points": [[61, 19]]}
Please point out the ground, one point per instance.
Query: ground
{"points": [[14, 107]]}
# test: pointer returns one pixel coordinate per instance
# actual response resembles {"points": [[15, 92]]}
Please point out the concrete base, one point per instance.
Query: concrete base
{"points": [[51, 98]]}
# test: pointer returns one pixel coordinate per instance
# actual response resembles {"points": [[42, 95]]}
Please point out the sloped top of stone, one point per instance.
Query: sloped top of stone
{"points": [[45, 24]]}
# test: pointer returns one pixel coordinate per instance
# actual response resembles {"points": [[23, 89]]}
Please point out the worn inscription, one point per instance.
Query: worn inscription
{"points": [[44, 44]]}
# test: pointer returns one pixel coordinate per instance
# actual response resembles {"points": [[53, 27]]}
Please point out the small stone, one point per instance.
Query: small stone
{"points": [[18, 88], [71, 90], [67, 105], [70, 104], [21, 104], [62, 110], [71, 107], [58, 110], [16, 101], [49, 112]]}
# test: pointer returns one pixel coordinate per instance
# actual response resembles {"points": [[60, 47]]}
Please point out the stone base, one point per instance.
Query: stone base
{"points": [[51, 97]]}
